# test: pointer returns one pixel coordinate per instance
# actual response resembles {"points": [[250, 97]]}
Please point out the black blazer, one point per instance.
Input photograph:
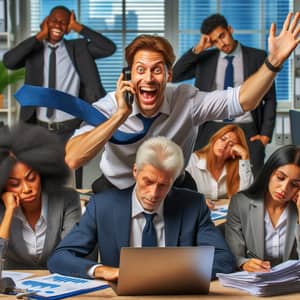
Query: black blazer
{"points": [[203, 67], [82, 52]]}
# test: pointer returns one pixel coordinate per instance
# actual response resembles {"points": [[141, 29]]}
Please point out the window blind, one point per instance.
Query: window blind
{"points": [[121, 21], [250, 20]]}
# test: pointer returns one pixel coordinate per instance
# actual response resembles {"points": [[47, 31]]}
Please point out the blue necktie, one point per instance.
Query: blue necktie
{"points": [[228, 80], [29, 95], [149, 238]]}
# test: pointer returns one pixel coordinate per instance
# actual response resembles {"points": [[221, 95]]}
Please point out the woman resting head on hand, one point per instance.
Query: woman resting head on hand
{"points": [[222, 167], [36, 210], [262, 227]]}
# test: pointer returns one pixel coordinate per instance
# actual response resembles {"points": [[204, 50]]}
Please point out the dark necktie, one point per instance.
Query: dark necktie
{"points": [[29, 95], [228, 80], [52, 75], [149, 238]]}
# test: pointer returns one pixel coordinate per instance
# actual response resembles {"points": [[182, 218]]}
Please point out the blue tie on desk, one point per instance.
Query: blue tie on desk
{"points": [[149, 238], [228, 80], [29, 95]]}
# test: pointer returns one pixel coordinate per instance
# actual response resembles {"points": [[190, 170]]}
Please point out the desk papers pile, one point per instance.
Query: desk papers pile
{"points": [[282, 279]]}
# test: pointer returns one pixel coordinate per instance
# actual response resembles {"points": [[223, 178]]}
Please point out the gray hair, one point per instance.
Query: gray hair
{"points": [[162, 154]]}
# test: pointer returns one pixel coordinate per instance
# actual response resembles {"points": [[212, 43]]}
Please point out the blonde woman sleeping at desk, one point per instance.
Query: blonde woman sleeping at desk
{"points": [[222, 167], [36, 210], [262, 227]]}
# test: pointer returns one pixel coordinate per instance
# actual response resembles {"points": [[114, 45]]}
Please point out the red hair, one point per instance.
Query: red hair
{"points": [[231, 164]]}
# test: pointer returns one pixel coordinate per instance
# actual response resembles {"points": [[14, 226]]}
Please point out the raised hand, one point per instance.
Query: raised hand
{"points": [[44, 32], [238, 150], [296, 200], [122, 87], [203, 44], [11, 200], [73, 24], [282, 45]]}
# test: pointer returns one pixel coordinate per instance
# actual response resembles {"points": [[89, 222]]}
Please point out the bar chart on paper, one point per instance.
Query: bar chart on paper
{"points": [[57, 286]]}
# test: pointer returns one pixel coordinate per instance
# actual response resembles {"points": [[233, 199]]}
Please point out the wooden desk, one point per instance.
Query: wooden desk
{"points": [[217, 292]]}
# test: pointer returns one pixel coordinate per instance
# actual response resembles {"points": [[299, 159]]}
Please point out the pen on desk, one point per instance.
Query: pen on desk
{"points": [[250, 254]]}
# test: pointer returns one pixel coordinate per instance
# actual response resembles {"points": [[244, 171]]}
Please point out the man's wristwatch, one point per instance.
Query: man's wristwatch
{"points": [[271, 67]]}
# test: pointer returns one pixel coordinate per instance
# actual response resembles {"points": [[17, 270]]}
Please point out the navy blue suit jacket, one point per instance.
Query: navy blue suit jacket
{"points": [[107, 221]]}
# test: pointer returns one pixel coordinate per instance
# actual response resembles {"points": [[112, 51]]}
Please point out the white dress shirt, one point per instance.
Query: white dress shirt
{"points": [[34, 239], [216, 189], [67, 80], [275, 236], [184, 108]]}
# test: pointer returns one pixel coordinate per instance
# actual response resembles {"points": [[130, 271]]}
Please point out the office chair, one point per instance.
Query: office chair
{"points": [[295, 126]]}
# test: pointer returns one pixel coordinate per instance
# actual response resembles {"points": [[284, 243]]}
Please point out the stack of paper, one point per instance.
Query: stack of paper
{"points": [[282, 279]]}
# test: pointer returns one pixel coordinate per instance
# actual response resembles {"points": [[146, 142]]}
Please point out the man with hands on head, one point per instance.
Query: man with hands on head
{"points": [[208, 67], [116, 218], [74, 68], [179, 110], [76, 71]]}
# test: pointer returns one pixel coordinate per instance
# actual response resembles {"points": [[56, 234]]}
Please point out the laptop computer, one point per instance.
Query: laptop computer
{"points": [[169, 270]]}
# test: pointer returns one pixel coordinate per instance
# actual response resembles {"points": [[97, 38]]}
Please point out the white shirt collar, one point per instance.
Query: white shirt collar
{"points": [[60, 44], [237, 51], [282, 219]]}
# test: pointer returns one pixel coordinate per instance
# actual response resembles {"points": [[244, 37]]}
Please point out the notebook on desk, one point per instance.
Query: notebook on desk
{"points": [[170, 270]]}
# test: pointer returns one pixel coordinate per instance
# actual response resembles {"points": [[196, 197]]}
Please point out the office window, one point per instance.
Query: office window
{"points": [[121, 21], [250, 20]]}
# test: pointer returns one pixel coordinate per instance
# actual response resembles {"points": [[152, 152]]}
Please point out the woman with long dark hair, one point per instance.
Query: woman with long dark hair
{"points": [[262, 227]]}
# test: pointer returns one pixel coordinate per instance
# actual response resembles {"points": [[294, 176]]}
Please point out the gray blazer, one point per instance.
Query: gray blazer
{"points": [[64, 211], [244, 229]]}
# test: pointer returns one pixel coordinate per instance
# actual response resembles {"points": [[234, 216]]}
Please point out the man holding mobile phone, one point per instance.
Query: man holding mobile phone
{"points": [[175, 111]]}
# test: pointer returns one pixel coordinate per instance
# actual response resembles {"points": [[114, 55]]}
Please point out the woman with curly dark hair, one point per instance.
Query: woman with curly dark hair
{"points": [[36, 210]]}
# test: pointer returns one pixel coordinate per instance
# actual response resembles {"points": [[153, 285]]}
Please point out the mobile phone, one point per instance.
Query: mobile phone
{"points": [[127, 76]]}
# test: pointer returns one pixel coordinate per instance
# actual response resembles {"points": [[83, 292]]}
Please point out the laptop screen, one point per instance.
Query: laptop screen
{"points": [[169, 270]]}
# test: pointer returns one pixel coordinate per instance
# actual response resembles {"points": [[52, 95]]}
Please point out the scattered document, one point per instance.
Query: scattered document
{"points": [[282, 279], [57, 286], [219, 212], [16, 276]]}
